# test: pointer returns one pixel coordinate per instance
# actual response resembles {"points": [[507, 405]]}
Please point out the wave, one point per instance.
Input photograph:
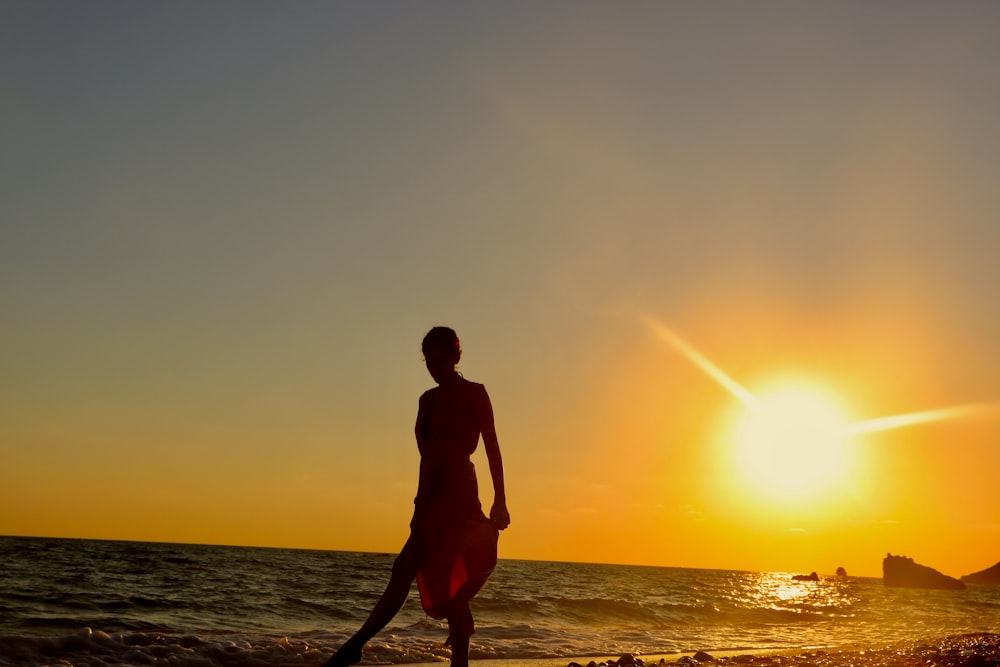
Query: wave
{"points": [[214, 601], [89, 646], [618, 612]]}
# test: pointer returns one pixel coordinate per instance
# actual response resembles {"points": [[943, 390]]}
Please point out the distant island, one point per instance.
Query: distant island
{"points": [[990, 575], [902, 572]]}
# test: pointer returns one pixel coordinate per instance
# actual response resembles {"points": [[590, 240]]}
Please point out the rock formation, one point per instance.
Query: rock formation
{"points": [[902, 572], [990, 575]]}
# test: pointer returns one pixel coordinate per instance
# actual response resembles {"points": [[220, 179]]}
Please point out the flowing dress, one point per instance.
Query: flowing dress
{"points": [[457, 543]]}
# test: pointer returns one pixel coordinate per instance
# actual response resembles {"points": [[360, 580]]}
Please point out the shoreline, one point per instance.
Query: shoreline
{"points": [[96, 648], [981, 649]]}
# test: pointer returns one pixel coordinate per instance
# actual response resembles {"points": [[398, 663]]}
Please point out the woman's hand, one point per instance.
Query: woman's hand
{"points": [[499, 516]]}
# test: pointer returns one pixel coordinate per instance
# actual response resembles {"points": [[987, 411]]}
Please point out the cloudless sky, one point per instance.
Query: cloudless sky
{"points": [[226, 227]]}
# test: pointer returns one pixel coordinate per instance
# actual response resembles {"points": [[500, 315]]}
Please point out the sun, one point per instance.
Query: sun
{"points": [[791, 443], [786, 448]]}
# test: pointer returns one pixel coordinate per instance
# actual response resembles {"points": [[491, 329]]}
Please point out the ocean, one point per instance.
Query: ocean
{"points": [[84, 602]]}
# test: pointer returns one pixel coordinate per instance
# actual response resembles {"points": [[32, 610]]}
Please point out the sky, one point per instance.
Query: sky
{"points": [[226, 229]]}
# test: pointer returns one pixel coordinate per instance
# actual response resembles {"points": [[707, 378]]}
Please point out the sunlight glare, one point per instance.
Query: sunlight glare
{"points": [[793, 443]]}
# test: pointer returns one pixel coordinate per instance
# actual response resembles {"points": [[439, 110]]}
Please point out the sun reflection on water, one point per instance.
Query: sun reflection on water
{"points": [[778, 591]]}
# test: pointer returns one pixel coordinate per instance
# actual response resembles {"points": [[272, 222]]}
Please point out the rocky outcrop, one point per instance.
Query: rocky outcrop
{"points": [[990, 575], [902, 572]]}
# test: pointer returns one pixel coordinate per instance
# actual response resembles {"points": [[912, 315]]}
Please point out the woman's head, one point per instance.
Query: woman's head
{"points": [[442, 351]]}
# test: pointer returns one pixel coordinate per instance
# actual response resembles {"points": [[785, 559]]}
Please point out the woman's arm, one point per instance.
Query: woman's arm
{"points": [[498, 513], [423, 483]]}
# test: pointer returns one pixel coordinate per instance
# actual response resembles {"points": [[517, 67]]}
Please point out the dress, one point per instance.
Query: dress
{"points": [[454, 545]]}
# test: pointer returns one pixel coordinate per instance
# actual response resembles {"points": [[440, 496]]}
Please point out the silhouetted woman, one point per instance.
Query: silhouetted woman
{"points": [[452, 545]]}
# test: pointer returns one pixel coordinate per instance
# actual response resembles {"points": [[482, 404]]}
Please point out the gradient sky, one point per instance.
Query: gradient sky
{"points": [[226, 228]]}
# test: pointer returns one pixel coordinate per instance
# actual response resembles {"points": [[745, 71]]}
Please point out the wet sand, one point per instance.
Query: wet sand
{"points": [[972, 650]]}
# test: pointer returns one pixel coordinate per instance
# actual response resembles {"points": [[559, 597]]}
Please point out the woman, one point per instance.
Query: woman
{"points": [[452, 546]]}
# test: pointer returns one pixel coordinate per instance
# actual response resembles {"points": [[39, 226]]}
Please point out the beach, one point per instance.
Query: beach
{"points": [[971, 650], [87, 649]]}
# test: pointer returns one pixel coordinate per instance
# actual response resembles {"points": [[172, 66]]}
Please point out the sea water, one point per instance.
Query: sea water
{"points": [[94, 603]]}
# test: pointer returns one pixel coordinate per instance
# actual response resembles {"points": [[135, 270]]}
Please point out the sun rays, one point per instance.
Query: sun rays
{"points": [[742, 394], [702, 362], [923, 417], [792, 442]]}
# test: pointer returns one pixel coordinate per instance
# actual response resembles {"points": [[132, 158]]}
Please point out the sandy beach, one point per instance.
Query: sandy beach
{"points": [[966, 650], [971, 650]]}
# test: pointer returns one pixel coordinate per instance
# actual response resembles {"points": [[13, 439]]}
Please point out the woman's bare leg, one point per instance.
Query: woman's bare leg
{"points": [[460, 628], [460, 652], [404, 570]]}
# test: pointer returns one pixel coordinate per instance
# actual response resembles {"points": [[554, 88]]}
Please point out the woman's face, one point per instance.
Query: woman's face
{"points": [[440, 363]]}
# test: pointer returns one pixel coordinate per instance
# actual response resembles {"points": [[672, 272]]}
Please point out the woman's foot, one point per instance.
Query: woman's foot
{"points": [[348, 654]]}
